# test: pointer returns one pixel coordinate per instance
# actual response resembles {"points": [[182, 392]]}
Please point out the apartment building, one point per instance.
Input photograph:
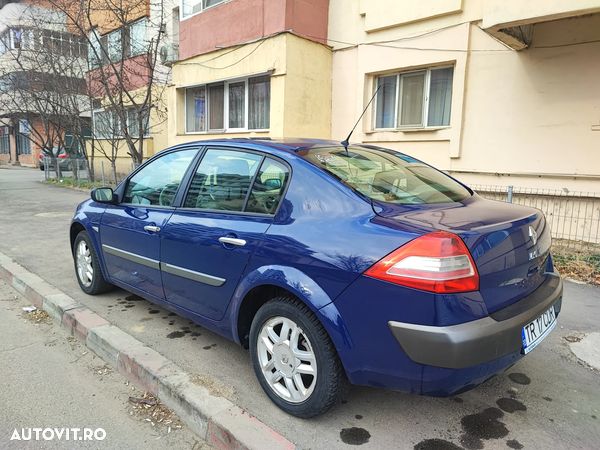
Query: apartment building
{"points": [[250, 68], [496, 92], [30, 36], [127, 79]]}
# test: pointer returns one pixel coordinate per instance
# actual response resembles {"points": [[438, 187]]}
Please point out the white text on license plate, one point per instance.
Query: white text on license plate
{"points": [[535, 331]]}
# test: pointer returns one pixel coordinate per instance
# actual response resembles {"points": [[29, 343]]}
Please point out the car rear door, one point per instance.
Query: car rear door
{"points": [[130, 230], [206, 245]]}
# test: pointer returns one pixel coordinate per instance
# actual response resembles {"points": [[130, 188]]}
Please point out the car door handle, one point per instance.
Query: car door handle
{"points": [[152, 228], [232, 241]]}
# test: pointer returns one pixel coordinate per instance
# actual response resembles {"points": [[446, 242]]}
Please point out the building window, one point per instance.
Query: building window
{"points": [[103, 122], [134, 118], [191, 7], [195, 109], [61, 43], [23, 140], [237, 105], [137, 38], [414, 99], [115, 46], [125, 42], [108, 125], [229, 106], [95, 50], [4, 140], [259, 106]]}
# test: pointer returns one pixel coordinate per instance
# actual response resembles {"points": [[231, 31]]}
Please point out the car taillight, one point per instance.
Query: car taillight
{"points": [[62, 155], [437, 262]]}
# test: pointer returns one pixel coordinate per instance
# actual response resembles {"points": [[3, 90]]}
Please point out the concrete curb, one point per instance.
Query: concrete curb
{"points": [[217, 420]]}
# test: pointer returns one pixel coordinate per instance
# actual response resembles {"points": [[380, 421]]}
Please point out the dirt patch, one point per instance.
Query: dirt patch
{"points": [[149, 409], [214, 387], [102, 371], [38, 316]]}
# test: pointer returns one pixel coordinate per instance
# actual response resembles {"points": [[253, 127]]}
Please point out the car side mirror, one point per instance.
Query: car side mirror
{"points": [[273, 183], [103, 195]]}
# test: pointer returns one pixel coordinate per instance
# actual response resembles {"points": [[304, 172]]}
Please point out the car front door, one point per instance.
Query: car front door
{"points": [[130, 230], [206, 245]]}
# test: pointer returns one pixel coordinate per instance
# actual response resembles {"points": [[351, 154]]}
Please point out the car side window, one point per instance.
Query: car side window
{"points": [[222, 180], [157, 183], [268, 187]]}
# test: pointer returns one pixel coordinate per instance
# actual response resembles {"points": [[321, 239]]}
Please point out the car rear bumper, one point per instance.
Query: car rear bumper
{"points": [[480, 341]]}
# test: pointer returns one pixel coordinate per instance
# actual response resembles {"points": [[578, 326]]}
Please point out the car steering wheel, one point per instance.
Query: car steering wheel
{"points": [[167, 194]]}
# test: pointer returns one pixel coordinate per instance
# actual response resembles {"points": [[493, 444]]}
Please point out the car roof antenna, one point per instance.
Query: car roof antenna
{"points": [[346, 142]]}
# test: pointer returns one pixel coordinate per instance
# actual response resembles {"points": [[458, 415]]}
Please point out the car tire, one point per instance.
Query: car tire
{"points": [[329, 382], [84, 258]]}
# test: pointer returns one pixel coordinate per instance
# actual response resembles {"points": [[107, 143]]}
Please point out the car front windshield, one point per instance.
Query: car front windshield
{"points": [[388, 176]]}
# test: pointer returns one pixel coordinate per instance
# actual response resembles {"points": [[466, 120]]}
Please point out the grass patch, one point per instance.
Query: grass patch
{"points": [[77, 184], [579, 264]]}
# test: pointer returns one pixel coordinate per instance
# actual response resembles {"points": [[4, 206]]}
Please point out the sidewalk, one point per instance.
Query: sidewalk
{"points": [[49, 380], [33, 230]]}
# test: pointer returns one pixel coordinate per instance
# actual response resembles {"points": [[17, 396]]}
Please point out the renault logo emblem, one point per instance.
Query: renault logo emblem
{"points": [[533, 235]]}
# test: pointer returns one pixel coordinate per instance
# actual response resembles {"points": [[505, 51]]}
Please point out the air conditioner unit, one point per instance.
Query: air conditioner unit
{"points": [[169, 53]]}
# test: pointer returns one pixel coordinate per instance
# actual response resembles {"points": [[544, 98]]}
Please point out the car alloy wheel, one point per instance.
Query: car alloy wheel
{"points": [[87, 267], [287, 359], [83, 257]]}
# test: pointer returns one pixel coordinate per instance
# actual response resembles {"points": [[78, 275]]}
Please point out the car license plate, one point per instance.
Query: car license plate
{"points": [[535, 331]]}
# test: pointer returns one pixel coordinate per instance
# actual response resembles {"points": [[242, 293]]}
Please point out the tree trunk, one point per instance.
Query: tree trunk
{"points": [[113, 166], [56, 164]]}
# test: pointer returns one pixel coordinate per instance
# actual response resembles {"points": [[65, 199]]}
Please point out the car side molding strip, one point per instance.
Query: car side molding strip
{"points": [[169, 268], [192, 275], [152, 263]]}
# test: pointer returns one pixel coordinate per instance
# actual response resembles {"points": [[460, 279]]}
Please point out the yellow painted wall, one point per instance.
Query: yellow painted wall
{"points": [[156, 141], [527, 118], [300, 86], [388, 13], [307, 96], [123, 162]]}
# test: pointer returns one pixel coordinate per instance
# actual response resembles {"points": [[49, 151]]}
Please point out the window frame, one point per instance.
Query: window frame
{"points": [[122, 189], [225, 129], [398, 101], [95, 51], [264, 156], [202, 8], [111, 47], [95, 111], [4, 140], [130, 35]]}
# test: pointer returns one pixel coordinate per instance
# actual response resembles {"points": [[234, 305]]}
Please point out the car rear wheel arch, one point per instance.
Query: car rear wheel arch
{"points": [[256, 297], [252, 302]]}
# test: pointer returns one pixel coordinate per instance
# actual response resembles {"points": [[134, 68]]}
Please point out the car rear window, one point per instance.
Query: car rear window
{"points": [[388, 176]]}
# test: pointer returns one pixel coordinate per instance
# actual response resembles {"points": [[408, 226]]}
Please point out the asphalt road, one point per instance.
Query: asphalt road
{"points": [[50, 380], [547, 400]]}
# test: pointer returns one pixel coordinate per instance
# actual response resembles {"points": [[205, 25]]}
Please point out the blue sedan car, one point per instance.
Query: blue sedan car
{"points": [[331, 263]]}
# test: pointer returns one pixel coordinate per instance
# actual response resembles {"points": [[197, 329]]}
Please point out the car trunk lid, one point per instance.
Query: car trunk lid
{"points": [[509, 243]]}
